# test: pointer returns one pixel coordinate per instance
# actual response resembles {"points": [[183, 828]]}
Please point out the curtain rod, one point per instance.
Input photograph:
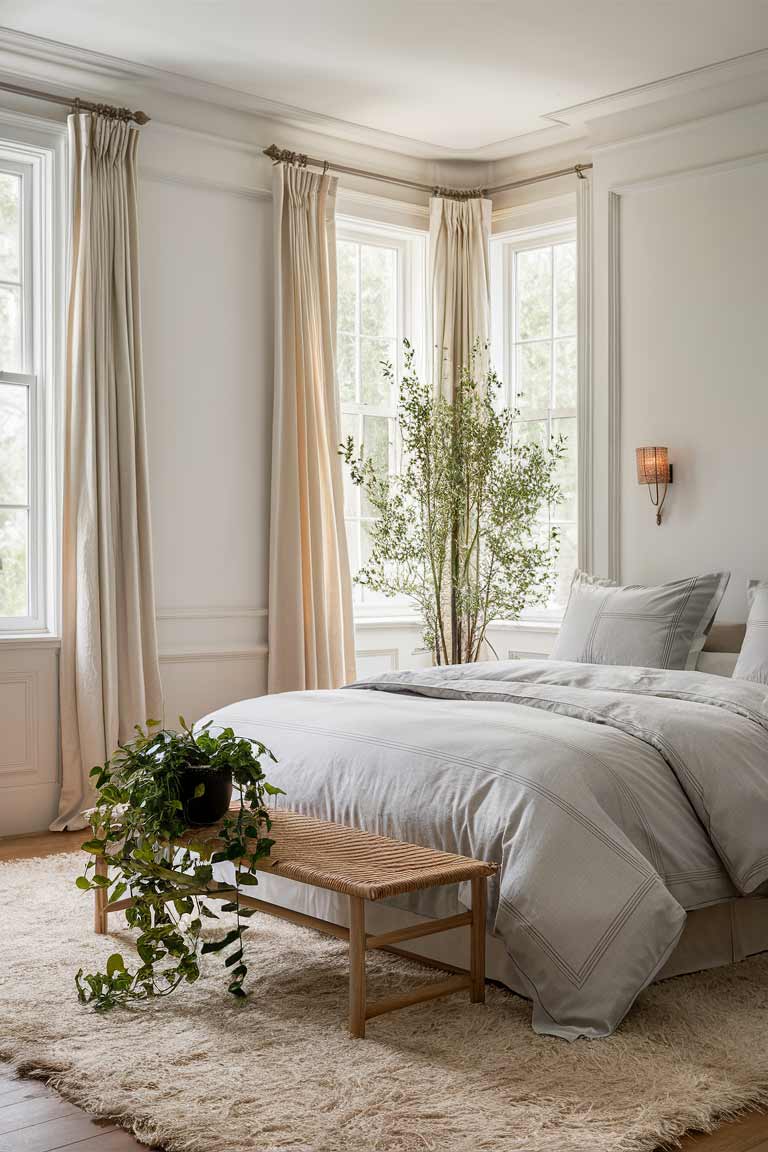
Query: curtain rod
{"points": [[285, 156], [75, 103]]}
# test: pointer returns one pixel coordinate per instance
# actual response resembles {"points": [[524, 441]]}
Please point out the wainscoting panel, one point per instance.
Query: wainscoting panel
{"points": [[210, 655], [372, 661], [29, 747]]}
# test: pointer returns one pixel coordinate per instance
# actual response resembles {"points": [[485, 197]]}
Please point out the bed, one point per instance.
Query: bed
{"points": [[627, 809]]}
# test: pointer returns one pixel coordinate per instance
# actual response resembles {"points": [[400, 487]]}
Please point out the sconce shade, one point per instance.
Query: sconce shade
{"points": [[652, 465]]}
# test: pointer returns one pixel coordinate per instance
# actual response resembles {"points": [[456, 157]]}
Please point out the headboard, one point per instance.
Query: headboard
{"points": [[725, 638], [721, 649]]}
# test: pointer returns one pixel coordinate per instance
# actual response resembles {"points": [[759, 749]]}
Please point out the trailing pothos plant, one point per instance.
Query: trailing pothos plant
{"points": [[139, 813]]}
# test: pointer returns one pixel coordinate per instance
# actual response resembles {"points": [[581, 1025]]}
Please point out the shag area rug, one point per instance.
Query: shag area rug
{"points": [[198, 1071]]}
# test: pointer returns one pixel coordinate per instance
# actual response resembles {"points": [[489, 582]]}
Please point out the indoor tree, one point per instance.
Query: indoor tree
{"points": [[458, 529]]}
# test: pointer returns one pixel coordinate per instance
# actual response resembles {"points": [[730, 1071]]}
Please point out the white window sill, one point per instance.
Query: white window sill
{"points": [[29, 640], [405, 621], [543, 627]]}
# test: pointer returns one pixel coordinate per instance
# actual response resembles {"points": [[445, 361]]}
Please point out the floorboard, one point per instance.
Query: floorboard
{"points": [[46, 1123]]}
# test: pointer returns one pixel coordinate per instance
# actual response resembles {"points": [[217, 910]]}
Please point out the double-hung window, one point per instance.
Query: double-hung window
{"points": [[25, 531], [535, 351], [381, 300]]}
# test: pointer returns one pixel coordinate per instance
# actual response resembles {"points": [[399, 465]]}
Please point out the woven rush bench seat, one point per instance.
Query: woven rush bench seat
{"points": [[361, 866]]}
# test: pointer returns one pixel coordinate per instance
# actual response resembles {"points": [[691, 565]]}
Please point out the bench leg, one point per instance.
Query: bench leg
{"points": [[100, 900], [357, 966], [477, 931]]}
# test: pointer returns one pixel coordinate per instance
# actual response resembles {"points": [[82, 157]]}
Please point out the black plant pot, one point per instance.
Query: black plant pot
{"points": [[214, 802]]}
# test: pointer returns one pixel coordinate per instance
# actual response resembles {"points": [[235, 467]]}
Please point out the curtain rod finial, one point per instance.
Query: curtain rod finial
{"points": [[141, 118]]}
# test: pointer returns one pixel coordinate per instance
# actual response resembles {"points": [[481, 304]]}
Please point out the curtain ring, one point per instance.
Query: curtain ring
{"points": [[326, 166]]}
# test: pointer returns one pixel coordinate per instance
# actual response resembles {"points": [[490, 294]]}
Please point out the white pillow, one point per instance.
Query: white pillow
{"points": [[662, 626], [752, 663]]}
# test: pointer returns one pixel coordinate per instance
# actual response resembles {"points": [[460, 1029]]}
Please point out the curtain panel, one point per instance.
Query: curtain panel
{"points": [[109, 673], [460, 281], [311, 631]]}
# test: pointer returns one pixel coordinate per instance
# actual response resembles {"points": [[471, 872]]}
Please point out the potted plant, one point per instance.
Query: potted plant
{"points": [[147, 796], [458, 528]]}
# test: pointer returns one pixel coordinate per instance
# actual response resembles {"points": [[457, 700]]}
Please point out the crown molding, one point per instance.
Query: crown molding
{"points": [[669, 87], [24, 47], [66, 64]]}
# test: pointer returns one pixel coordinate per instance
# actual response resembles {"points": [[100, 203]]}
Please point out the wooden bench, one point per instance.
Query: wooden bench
{"points": [[362, 867]]}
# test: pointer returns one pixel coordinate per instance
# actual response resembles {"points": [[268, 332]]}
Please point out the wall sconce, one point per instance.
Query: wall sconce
{"points": [[655, 470]]}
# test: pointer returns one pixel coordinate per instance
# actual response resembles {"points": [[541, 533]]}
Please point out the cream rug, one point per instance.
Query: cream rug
{"points": [[200, 1072]]}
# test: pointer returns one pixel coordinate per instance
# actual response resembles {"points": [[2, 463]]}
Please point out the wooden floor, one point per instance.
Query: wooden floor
{"points": [[35, 1119]]}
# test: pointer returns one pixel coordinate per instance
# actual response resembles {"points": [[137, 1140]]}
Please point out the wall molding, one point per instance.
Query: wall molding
{"points": [[213, 655], [202, 184], [614, 386], [615, 194], [391, 654], [528, 214], [692, 172], [210, 612], [211, 632], [14, 773]]}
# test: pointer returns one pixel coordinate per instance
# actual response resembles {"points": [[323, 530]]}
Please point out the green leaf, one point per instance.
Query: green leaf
{"points": [[94, 846], [115, 964], [219, 945], [199, 791], [83, 883], [247, 878]]}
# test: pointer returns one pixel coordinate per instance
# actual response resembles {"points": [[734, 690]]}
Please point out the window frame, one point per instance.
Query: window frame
{"points": [[411, 322], [36, 150], [505, 247]]}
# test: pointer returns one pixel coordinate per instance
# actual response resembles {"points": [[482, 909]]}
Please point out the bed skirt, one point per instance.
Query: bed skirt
{"points": [[713, 936]]}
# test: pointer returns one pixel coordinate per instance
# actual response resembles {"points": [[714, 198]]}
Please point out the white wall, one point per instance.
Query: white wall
{"points": [[681, 302], [207, 308]]}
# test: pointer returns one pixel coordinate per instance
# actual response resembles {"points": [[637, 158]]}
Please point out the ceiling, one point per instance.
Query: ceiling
{"points": [[447, 77]]}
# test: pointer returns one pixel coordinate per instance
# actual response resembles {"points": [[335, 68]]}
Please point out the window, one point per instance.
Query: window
{"points": [[381, 300], [25, 283], [535, 352]]}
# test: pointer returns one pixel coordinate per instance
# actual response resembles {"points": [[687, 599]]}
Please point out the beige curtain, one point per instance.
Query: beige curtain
{"points": [[459, 237], [311, 634], [109, 676]]}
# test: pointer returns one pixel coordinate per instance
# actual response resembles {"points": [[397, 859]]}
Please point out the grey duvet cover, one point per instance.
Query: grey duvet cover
{"points": [[613, 799]]}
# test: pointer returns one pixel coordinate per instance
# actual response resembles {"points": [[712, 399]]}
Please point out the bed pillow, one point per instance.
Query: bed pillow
{"points": [[664, 626], [752, 663]]}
